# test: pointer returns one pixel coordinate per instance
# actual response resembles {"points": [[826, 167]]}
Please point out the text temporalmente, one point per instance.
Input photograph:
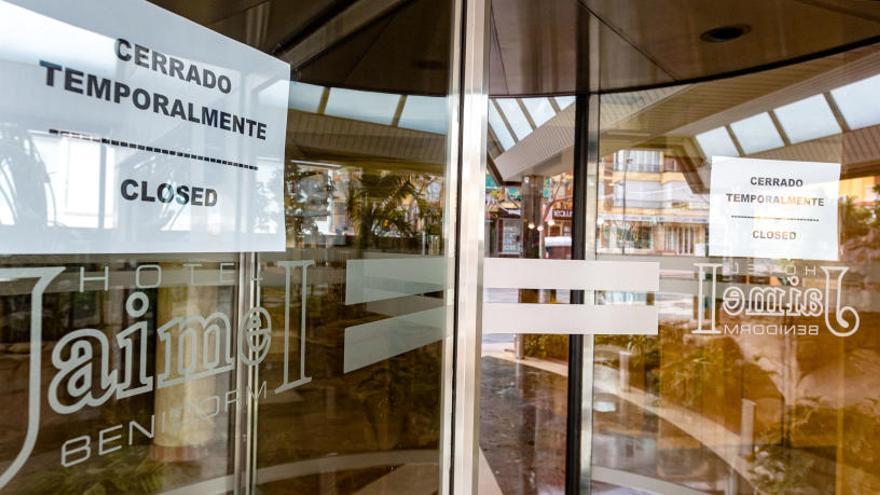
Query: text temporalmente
{"points": [[92, 85], [775, 199]]}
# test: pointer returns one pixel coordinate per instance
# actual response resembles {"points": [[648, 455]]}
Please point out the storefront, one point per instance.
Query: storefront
{"points": [[429, 246]]}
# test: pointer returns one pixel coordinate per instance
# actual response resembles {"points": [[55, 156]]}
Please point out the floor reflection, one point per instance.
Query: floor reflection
{"points": [[522, 433], [522, 427], [599, 488], [631, 439]]}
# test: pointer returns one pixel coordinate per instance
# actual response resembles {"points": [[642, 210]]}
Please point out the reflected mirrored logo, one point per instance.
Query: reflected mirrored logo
{"points": [[792, 300]]}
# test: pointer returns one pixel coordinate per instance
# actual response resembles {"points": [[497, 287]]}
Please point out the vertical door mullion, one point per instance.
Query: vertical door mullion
{"points": [[580, 351], [450, 247], [470, 227], [589, 220], [575, 342], [244, 444], [584, 207]]}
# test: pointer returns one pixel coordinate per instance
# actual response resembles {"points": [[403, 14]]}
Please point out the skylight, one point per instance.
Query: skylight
{"points": [[717, 142], [368, 106], [515, 117], [497, 124], [305, 97], [810, 118], [757, 133], [539, 109], [564, 101], [858, 102], [424, 113]]}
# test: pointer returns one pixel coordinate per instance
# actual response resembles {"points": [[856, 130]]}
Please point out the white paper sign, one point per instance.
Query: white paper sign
{"points": [[125, 128], [775, 209]]}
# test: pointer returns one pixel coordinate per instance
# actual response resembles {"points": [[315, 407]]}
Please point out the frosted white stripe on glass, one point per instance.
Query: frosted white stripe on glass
{"points": [[514, 273], [569, 318], [377, 279]]}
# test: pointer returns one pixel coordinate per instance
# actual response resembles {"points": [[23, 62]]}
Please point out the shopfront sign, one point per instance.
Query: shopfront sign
{"points": [[563, 214], [125, 128], [774, 209]]}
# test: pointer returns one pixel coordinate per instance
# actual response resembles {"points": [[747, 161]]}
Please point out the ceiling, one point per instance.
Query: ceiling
{"points": [[537, 47]]}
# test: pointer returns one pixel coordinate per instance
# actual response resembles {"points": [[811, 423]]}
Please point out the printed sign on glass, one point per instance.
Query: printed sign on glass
{"points": [[775, 209], [125, 128]]}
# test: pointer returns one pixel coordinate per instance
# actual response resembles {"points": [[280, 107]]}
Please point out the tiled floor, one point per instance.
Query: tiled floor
{"points": [[522, 433], [522, 427]]}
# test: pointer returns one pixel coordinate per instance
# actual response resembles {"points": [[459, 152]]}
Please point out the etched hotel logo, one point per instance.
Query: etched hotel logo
{"points": [[195, 346], [790, 301]]}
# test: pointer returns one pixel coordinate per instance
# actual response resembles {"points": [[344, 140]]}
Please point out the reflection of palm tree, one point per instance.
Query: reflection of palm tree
{"points": [[375, 204], [24, 181]]}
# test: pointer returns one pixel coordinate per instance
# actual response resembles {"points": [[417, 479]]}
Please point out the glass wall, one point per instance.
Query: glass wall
{"points": [[315, 368], [158, 348], [747, 388]]}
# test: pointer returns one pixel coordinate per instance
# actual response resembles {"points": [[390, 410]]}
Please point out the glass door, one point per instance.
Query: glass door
{"points": [[190, 362], [529, 216], [757, 195]]}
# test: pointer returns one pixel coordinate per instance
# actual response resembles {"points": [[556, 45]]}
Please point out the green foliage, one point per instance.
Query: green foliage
{"points": [[130, 472], [682, 375], [855, 221], [777, 469], [546, 346], [386, 204]]}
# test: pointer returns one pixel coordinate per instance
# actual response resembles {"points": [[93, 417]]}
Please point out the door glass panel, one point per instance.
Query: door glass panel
{"points": [[358, 303], [743, 394], [318, 368], [523, 383], [118, 372], [98, 318]]}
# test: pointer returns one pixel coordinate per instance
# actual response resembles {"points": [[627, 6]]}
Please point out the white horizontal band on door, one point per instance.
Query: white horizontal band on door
{"points": [[404, 305], [377, 279], [569, 318], [515, 273], [379, 340]]}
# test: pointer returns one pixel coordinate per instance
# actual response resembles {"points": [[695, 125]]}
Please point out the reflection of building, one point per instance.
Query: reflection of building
{"points": [[648, 207], [503, 220], [548, 218]]}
